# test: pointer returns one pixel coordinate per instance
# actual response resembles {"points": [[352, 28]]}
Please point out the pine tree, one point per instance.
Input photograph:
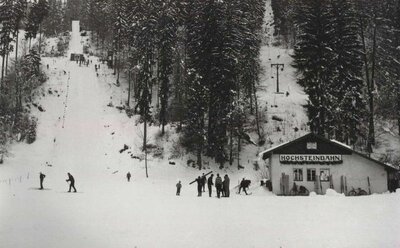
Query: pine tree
{"points": [[53, 22], [7, 28], [313, 56], [389, 52], [167, 29], [347, 90]]}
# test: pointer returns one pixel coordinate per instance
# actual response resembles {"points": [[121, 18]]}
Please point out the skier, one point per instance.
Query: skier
{"points": [[128, 176], [226, 185], [243, 185], [218, 185], [178, 188], [41, 176], [95, 68], [71, 181], [210, 184], [199, 185], [203, 181]]}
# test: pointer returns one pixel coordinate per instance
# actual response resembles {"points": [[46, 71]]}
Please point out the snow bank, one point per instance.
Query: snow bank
{"points": [[332, 192]]}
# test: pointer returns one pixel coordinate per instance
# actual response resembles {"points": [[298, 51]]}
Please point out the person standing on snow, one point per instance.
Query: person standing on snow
{"points": [[178, 188], [218, 185], [41, 176], [199, 185], [226, 185], [71, 181], [203, 181], [128, 176], [210, 184]]}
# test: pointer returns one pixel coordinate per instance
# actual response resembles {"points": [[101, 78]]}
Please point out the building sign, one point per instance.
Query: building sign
{"points": [[310, 158]]}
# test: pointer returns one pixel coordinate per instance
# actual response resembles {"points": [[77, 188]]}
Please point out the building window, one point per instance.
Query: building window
{"points": [[324, 175], [311, 145], [310, 175], [298, 174]]}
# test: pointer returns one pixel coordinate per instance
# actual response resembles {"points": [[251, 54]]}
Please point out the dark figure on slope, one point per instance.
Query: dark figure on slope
{"points": [[218, 185], [128, 176], [244, 184], [199, 185], [210, 184], [71, 181], [178, 188], [203, 181], [226, 185], [41, 176]]}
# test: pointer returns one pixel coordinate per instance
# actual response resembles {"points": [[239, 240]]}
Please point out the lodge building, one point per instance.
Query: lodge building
{"points": [[317, 164]]}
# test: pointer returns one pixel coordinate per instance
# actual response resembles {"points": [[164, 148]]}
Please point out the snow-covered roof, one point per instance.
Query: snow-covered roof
{"points": [[267, 153]]}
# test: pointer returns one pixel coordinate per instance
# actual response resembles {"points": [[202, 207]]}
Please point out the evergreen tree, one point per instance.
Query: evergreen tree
{"points": [[347, 90], [167, 28], [389, 52], [7, 28], [313, 56], [53, 22]]}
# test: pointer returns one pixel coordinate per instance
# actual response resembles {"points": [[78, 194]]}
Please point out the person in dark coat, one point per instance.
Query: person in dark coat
{"points": [[203, 181], [128, 176], [178, 188], [41, 176], [199, 185], [218, 185], [222, 189], [71, 181], [210, 184], [226, 185], [244, 184]]}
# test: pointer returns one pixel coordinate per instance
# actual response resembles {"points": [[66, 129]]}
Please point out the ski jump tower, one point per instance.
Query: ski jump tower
{"points": [[76, 46]]}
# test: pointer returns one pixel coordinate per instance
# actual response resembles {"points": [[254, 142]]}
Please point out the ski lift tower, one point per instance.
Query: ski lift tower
{"points": [[282, 66]]}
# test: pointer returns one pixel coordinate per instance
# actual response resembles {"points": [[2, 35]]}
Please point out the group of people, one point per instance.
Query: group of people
{"points": [[70, 179], [221, 186]]}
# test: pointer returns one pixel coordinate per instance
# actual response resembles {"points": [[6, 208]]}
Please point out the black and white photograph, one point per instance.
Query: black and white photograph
{"points": [[199, 123]]}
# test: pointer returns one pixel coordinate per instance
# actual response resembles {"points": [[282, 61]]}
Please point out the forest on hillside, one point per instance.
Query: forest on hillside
{"points": [[347, 53]]}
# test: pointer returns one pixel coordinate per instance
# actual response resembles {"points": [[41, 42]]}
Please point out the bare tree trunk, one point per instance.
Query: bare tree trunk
{"points": [[231, 146], [201, 145], [199, 158], [251, 99], [398, 104], [129, 87], [370, 83], [16, 48], [6, 70], [118, 63], [2, 71], [256, 107], [40, 38], [145, 143], [238, 152]]}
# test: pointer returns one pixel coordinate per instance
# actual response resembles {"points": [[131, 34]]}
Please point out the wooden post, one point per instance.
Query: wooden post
{"points": [[341, 184], [345, 185], [369, 186]]}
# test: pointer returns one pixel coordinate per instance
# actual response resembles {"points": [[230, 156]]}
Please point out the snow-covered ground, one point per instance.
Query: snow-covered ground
{"points": [[79, 133]]}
